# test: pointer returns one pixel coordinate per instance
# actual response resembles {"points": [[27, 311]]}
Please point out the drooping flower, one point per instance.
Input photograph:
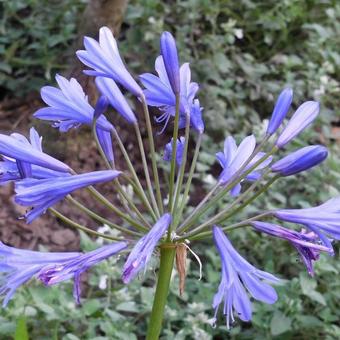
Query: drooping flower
{"points": [[170, 58], [108, 88], [159, 93], [142, 251], [42, 194], [238, 274], [68, 107], [322, 220], [17, 148], [306, 243], [105, 141], [179, 152], [54, 273], [18, 266], [300, 160], [104, 58], [301, 119], [13, 169], [281, 109], [234, 157]]}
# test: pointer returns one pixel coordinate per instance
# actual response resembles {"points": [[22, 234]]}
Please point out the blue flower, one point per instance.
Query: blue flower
{"points": [[18, 266], [281, 109], [54, 273], [159, 93], [300, 160], [108, 88], [302, 118], [17, 148], [170, 58], [105, 141], [44, 193], [179, 152], [68, 107], [237, 273], [104, 59], [142, 251], [322, 220], [234, 157], [12, 170], [307, 244], [196, 120]]}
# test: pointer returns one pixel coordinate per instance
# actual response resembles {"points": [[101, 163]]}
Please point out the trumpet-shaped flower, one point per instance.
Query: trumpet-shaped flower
{"points": [[104, 58], [108, 88], [322, 220], [105, 141], [68, 107], [18, 266], [307, 244], [54, 273], [179, 152], [17, 148], [142, 251], [300, 160], [234, 157], [237, 273], [101, 107], [301, 119], [159, 93], [170, 58], [281, 109], [42, 194]]}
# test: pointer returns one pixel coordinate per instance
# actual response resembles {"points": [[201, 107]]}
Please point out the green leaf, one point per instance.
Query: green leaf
{"points": [[21, 332], [280, 324]]}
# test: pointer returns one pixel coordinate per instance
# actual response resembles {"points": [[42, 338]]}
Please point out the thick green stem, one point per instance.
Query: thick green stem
{"points": [[168, 252]]}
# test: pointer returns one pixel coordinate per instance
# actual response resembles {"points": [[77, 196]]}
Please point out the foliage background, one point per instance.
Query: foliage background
{"points": [[242, 53]]}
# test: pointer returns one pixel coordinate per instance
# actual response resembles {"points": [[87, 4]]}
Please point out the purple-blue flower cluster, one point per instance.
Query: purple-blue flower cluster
{"points": [[152, 216]]}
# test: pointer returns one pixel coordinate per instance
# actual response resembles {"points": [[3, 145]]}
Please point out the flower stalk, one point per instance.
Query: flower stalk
{"points": [[168, 251]]}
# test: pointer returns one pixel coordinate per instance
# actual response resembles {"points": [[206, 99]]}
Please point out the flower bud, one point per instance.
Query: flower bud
{"points": [[171, 63], [101, 107], [300, 160], [281, 109], [303, 117]]}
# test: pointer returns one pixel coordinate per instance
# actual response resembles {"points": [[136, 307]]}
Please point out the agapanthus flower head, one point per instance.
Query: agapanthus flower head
{"points": [[17, 266], [104, 58], [236, 274], [68, 107], [142, 251], [171, 63], [159, 93], [17, 148], [179, 152], [322, 220], [54, 273], [281, 109], [44, 193], [109, 89], [234, 157], [306, 243], [301, 119], [300, 160]]}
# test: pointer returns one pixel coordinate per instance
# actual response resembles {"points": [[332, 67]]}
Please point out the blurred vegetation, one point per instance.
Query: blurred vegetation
{"points": [[242, 53]]}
